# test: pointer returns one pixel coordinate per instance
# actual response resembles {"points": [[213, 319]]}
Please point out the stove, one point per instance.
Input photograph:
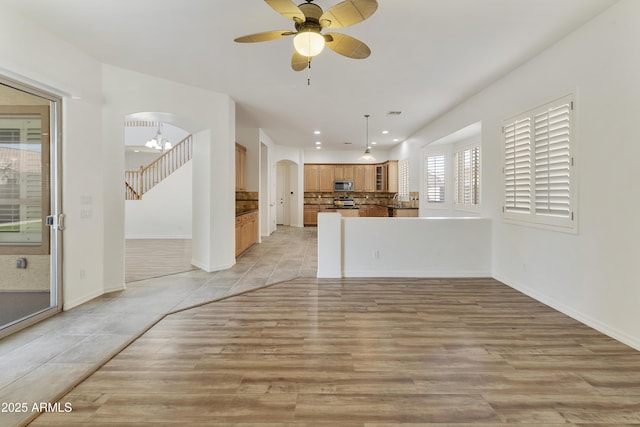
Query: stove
{"points": [[343, 201]]}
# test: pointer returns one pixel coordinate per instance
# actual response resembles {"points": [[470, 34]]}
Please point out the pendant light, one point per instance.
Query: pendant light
{"points": [[367, 156]]}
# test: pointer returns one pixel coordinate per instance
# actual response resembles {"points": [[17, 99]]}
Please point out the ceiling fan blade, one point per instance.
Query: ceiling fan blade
{"points": [[299, 62], [288, 9], [264, 37], [347, 46], [348, 13]]}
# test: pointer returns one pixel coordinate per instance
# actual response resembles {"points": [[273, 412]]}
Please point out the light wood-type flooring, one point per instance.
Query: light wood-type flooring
{"points": [[365, 353]]}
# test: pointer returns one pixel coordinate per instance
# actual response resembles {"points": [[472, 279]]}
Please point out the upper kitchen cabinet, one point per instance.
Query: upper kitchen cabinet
{"points": [[344, 172], [386, 175], [364, 178], [392, 176], [327, 176], [311, 178], [319, 178], [241, 167]]}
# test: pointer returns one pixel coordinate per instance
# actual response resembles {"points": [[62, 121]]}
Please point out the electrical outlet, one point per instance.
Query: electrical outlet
{"points": [[376, 254]]}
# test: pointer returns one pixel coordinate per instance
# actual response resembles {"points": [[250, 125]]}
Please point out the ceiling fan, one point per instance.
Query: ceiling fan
{"points": [[310, 20]]}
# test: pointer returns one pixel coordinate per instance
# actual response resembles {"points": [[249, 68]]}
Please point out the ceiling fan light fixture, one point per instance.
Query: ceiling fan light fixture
{"points": [[308, 43]]}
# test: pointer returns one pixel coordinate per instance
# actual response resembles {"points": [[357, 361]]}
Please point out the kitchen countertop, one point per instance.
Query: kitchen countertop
{"points": [[328, 206], [246, 212]]}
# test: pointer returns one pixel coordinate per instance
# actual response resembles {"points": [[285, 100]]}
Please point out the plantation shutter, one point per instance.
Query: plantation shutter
{"points": [[403, 179], [467, 163], [552, 130], [9, 186], [517, 165], [435, 178]]}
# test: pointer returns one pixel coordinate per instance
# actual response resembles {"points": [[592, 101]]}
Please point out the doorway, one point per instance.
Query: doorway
{"points": [[30, 220], [286, 192]]}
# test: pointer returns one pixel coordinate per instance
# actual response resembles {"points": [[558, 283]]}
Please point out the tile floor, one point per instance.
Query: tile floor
{"points": [[41, 363]]}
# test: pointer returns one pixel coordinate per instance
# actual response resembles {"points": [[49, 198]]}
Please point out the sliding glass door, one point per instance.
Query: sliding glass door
{"points": [[29, 218]]}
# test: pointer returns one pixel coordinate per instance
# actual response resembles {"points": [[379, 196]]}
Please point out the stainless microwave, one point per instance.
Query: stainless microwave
{"points": [[343, 185]]}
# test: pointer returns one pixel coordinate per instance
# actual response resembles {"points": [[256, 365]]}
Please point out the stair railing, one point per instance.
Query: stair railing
{"points": [[139, 182]]}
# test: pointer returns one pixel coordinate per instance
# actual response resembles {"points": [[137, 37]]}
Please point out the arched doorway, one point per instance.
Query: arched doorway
{"points": [[158, 206]]}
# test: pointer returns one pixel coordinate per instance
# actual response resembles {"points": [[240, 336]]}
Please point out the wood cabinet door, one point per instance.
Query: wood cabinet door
{"points": [[327, 176], [241, 167], [392, 176], [358, 178], [369, 178], [311, 178], [347, 172], [310, 216]]}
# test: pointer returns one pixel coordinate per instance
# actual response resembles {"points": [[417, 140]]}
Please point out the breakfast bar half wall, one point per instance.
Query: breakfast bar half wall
{"points": [[403, 247]]}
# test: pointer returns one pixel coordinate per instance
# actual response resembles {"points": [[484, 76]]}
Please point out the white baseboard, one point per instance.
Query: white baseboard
{"points": [[210, 268], [416, 273], [599, 326], [157, 236], [81, 300]]}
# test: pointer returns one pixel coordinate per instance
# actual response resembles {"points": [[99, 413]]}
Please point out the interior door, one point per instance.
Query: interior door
{"points": [[280, 193], [29, 223]]}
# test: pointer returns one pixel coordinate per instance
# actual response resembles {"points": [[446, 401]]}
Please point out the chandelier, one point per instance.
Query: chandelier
{"points": [[158, 142]]}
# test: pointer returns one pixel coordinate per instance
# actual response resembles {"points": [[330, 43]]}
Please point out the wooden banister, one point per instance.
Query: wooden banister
{"points": [[139, 182]]}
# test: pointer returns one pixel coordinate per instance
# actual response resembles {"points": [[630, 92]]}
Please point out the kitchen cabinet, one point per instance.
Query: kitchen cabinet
{"points": [[387, 177], [246, 231], [382, 177], [344, 172], [311, 178], [241, 167], [310, 215], [392, 176], [311, 212], [327, 176], [395, 212], [364, 178]]}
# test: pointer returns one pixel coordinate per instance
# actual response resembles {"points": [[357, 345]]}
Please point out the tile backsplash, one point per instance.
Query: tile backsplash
{"points": [[246, 201], [383, 199]]}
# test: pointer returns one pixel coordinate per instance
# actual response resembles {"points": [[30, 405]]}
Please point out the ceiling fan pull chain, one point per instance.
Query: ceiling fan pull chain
{"points": [[309, 72]]}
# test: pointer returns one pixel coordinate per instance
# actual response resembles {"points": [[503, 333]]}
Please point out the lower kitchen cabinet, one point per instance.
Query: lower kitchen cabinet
{"points": [[246, 231]]}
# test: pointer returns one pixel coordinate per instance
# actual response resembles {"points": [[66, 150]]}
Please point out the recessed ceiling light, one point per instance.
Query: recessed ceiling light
{"points": [[318, 148], [347, 143], [384, 132], [318, 143], [396, 140], [317, 132], [394, 113], [373, 143]]}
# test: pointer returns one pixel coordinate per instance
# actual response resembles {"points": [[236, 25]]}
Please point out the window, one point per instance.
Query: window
{"points": [[434, 177], [403, 180], [467, 176], [24, 192], [538, 162]]}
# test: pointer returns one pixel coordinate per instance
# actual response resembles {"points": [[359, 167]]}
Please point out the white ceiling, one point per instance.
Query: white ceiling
{"points": [[427, 56]]}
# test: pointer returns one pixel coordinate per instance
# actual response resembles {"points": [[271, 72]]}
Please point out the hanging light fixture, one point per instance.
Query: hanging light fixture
{"points": [[367, 156], [308, 43], [158, 142]]}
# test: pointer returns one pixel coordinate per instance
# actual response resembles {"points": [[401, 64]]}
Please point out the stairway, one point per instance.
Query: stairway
{"points": [[138, 182]]}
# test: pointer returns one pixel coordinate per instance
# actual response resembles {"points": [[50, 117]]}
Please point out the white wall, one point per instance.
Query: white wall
{"points": [[165, 211], [210, 117], [351, 156], [250, 139], [591, 275], [404, 247], [27, 55]]}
